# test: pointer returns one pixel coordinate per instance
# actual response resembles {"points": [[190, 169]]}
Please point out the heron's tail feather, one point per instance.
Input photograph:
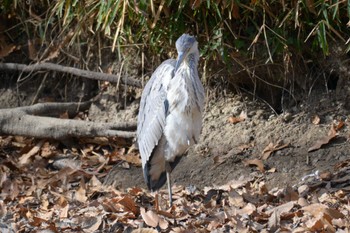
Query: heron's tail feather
{"points": [[157, 183]]}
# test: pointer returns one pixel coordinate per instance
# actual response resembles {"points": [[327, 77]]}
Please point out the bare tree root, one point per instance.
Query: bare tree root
{"points": [[25, 122], [71, 70], [53, 109]]}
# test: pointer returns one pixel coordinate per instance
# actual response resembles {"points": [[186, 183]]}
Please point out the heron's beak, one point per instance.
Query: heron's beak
{"points": [[179, 61]]}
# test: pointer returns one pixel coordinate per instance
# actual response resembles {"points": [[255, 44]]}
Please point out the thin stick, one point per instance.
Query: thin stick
{"points": [[156, 17], [39, 89]]}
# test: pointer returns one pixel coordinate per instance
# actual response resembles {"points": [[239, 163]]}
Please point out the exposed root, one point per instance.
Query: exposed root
{"points": [[25, 121]]}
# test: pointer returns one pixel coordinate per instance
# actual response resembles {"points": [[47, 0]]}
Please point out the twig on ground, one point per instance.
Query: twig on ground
{"points": [[71, 70]]}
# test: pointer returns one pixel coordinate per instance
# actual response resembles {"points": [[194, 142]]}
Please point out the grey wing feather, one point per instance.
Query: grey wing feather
{"points": [[153, 109]]}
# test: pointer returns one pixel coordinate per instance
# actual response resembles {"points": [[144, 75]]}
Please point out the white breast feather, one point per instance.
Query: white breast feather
{"points": [[184, 122]]}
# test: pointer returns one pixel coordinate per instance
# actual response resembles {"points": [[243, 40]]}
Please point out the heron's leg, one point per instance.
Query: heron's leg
{"points": [[168, 171]]}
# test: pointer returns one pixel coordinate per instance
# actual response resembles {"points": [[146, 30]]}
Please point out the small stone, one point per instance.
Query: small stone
{"points": [[236, 110], [303, 202], [287, 117], [259, 114], [251, 113], [314, 199], [271, 117], [302, 190]]}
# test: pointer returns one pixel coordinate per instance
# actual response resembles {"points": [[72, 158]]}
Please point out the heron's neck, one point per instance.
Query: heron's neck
{"points": [[192, 61]]}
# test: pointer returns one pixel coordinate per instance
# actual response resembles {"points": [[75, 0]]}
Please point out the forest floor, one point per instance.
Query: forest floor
{"points": [[252, 171]]}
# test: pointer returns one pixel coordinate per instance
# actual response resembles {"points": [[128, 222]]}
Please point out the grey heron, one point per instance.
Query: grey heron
{"points": [[170, 114]]}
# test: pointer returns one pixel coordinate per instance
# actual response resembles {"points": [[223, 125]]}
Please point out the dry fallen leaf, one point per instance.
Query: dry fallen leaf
{"points": [[275, 214], [163, 224], [290, 194], [326, 175], [262, 188], [244, 147], [316, 224], [95, 183], [24, 159], [80, 194], [46, 215], [6, 50], [246, 210], [37, 221], [135, 191], [315, 120], [321, 210], [339, 125], [241, 117], [255, 162], [145, 230], [235, 199], [64, 212], [150, 218], [55, 48], [339, 222], [3, 209], [272, 148], [272, 170], [9, 189], [153, 220], [64, 115], [132, 157], [232, 184], [129, 205], [91, 224], [219, 159], [325, 140], [48, 150]]}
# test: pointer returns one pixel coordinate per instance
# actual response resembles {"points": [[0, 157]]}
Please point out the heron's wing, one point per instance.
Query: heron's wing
{"points": [[153, 109]]}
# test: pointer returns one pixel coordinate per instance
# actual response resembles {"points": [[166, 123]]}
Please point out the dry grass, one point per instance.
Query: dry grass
{"points": [[246, 40]]}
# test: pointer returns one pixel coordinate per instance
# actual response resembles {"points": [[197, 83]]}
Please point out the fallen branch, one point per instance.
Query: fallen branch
{"points": [[53, 109], [70, 70], [20, 121]]}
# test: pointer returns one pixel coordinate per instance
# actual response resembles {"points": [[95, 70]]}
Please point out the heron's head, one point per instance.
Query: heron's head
{"points": [[185, 45]]}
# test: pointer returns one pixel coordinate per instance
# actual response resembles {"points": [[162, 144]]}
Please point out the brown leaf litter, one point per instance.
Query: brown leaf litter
{"points": [[35, 198], [235, 120], [332, 133], [271, 147]]}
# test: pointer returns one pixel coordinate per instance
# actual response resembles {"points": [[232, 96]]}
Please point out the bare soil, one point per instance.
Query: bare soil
{"points": [[220, 155], [224, 147]]}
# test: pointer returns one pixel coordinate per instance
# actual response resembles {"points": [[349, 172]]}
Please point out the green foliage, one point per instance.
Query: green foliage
{"points": [[256, 28]]}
